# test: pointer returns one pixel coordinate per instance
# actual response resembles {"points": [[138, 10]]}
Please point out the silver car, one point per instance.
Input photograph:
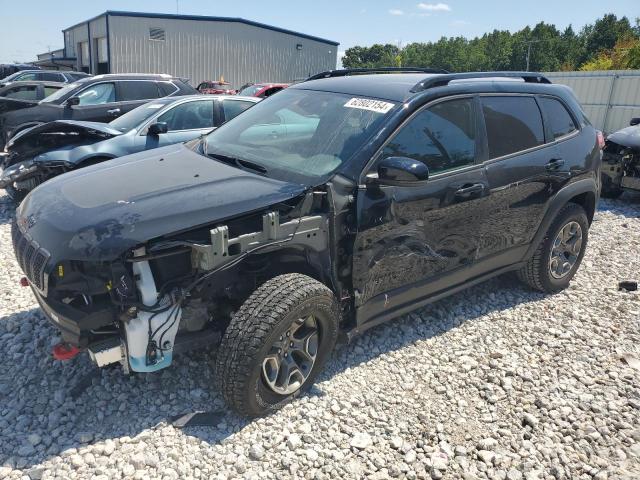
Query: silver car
{"points": [[45, 151]]}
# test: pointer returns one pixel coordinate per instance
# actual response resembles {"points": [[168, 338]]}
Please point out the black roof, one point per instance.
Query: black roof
{"points": [[398, 87], [168, 16], [391, 86]]}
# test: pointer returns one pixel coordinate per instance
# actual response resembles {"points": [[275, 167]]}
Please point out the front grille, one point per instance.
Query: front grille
{"points": [[31, 257]]}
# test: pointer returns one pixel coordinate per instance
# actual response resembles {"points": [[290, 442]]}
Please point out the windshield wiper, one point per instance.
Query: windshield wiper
{"points": [[238, 162]]}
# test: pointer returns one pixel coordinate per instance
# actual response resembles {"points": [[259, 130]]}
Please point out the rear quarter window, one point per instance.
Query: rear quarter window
{"points": [[513, 124], [559, 119]]}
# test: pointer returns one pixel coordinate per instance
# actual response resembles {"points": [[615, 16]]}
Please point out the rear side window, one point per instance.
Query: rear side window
{"points": [[167, 88], [233, 108], [442, 137], [560, 121], [137, 90], [513, 124], [51, 77]]}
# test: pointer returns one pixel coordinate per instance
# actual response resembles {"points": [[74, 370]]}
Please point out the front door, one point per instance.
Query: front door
{"points": [[185, 122], [97, 104], [417, 239]]}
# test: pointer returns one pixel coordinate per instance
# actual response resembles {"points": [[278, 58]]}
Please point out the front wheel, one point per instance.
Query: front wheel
{"points": [[276, 343], [557, 258]]}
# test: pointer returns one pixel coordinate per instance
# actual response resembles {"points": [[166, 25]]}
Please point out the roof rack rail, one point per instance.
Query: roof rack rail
{"points": [[443, 80], [355, 71]]}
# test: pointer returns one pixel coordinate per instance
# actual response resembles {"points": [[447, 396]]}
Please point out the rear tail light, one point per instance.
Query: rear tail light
{"points": [[600, 136]]}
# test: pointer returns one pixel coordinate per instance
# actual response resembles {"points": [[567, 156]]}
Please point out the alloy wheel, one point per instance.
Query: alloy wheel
{"points": [[565, 250], [292, 356]]}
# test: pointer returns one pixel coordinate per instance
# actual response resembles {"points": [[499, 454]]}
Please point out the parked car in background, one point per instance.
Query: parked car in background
{"points": [[369, 196], [262, 90], [621, 161], [19, 95], [216, 88], [7, 69], [43, 76], [42, 152], [98, 99]]}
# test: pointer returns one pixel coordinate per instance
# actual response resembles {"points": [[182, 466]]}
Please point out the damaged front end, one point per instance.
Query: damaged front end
{"points": [[40, 153], [621, 161], [172, 293]]}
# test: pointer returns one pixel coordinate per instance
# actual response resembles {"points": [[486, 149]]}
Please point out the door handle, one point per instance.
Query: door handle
{"points": [[554, 164], [469, 190], [113, 112]]}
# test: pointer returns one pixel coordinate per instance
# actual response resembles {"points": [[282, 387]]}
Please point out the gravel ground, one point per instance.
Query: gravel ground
{"points": [[496, 382]]}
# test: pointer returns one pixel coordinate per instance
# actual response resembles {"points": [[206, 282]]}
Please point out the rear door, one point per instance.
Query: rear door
{"points": [[415, 240], [133, 93], [524, 172]]}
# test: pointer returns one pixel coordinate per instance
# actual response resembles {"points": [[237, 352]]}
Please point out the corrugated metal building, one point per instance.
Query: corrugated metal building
{"points": [[610, 97], [196, 47]]}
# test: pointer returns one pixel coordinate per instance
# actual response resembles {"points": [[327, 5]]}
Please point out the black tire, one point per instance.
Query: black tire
{"points": [[263, 318], [611, 192], [537, 272]]}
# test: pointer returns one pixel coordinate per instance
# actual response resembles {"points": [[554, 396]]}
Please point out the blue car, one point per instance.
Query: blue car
{"points": [[48, 150]]}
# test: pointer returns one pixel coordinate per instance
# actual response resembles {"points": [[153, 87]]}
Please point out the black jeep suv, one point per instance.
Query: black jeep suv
{"points": [[340, 203], [100, 99]]}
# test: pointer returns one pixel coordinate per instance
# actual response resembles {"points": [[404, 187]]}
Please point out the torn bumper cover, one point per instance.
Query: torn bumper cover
{"points": [[73, 323], [16, 173]]}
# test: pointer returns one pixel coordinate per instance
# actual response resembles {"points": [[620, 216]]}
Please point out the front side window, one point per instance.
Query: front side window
{"points": [[138, 90], [138, 116], [233, 108], [26, 77], [98, 94], [189, 116], [513, 124], [560, 122], [443, 137], [300, 135]]}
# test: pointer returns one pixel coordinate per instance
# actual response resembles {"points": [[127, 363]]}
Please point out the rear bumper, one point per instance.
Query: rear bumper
{"points": [[75, 325]]}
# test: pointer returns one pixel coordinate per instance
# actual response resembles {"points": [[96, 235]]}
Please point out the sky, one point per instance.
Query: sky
{"points": [[35, 26]]}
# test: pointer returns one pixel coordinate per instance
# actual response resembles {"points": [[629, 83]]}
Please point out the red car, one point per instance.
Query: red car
{"points": [[262, 90], [216, 88]]}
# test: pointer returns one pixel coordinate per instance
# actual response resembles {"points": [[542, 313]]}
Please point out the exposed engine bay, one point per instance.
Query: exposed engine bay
{"points": [[178, 292]]}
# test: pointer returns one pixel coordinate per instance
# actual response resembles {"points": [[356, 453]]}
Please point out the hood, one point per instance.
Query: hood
{"points": [[97, 213], [627, 137], [55, 135]]}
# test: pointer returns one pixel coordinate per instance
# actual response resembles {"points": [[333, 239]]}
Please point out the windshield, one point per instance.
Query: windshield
{"points": [[299, 135], [60, 93], [251, 91], [135, 117]]}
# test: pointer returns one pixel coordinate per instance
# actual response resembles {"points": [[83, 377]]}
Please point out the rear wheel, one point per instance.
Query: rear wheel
{"points": [[560, 253], [276, 343]]}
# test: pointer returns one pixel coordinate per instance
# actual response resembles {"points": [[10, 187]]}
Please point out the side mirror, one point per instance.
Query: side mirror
{"points": [[158, 128], [401, 170], [635, 121], [73, 101]]}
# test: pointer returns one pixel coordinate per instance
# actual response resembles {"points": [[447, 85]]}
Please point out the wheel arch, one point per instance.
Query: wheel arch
{"points": [[583, 192]]}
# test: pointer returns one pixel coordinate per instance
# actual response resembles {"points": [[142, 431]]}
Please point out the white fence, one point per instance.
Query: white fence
{"points": [[609, 97]]}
